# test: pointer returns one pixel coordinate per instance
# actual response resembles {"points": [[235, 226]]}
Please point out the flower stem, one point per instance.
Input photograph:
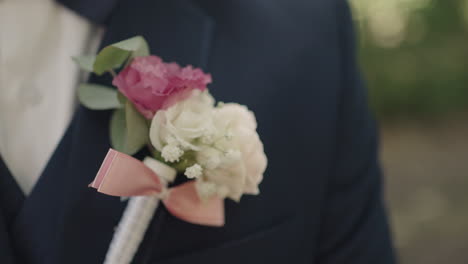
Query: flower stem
{"points": [[112, 72]]}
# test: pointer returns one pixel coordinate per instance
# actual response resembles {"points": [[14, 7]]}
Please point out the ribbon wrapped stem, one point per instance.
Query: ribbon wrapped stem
{"points": [[131, 229]]}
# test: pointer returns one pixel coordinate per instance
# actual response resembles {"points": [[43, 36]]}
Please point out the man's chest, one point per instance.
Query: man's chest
{"points": [[37, 81]]}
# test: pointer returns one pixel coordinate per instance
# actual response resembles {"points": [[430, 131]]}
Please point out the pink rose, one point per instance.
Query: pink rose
{"points": [[151, 84]]}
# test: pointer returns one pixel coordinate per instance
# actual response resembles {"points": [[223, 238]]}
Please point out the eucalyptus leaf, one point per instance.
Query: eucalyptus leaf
{"points": [[85, 62], [122, 99], [113, 56], [128, 130], [109, 58], [137, 129], [98, 97], [118, 130], [137, 45]]}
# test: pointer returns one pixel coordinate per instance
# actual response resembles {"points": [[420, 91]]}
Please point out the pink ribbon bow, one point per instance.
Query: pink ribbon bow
{"points": [[124, 176]]}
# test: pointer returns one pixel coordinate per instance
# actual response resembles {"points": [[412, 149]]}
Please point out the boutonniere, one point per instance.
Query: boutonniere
{"points": [[168, 109]]}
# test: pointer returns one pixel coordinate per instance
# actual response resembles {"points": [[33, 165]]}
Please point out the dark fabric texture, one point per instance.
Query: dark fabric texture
{"points": [[293, 63], [11, 200], [97, 12]]}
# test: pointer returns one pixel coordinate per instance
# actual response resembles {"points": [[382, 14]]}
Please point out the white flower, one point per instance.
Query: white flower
{"points": [[224, 141], [184, 122], [233, 155], [242, 160], [205, 189], [194, 171], [209, 157], [222, 191], [171, 153]]}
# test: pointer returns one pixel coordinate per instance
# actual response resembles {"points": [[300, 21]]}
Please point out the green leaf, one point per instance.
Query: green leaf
{"points": [[137, 45], [187, 160], [118, 130], [122, 98], [128, 129], [113, 56], [98, 97], [137, 129], [109, 58], [85, 62]]}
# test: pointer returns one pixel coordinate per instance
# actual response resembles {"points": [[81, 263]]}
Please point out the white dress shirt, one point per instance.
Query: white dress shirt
{"points": [[37, 81]]}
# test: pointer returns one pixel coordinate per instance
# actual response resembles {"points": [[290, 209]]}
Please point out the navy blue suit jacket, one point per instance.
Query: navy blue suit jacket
{"points": [[293, 63]]}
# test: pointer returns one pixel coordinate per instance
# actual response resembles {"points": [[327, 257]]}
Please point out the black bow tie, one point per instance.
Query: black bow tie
{"points": [[97, 12]]}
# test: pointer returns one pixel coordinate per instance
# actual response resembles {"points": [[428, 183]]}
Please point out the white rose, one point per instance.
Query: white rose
{"points": [[209, 157], [243, 160], [182, 123]]}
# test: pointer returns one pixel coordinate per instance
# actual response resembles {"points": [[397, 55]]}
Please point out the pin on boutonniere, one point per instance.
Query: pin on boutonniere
{"points": [[168, 109]]}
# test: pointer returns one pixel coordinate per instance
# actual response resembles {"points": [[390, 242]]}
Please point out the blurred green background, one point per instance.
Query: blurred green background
{"points": [[414, 54]]}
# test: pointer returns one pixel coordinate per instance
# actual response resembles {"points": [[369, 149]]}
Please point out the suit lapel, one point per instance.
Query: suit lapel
{"points": [[11, 196], [11, 200], [63, 221]]}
